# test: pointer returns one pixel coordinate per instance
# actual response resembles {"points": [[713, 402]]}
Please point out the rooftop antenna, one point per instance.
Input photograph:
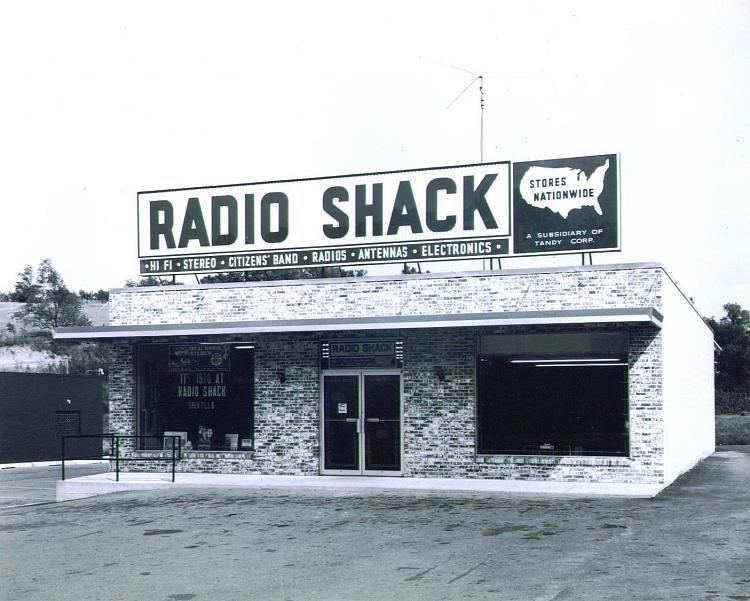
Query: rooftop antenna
{"points": [[480, 79]]}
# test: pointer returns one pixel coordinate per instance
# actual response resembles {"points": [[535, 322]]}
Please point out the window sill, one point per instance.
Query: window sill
{"points": [[554, 460], [193, 454]]}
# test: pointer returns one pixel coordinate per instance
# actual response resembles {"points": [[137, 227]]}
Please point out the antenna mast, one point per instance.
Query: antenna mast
{"points": [[480, 79], [481, 119]]}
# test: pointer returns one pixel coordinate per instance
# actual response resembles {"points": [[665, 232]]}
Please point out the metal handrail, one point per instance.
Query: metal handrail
{"points": [[176, 450]]}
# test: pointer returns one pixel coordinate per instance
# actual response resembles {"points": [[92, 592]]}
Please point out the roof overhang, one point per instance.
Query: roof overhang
{"points": [[518, 318]]}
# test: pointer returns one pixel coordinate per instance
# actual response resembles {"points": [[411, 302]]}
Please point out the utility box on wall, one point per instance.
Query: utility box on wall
{"points": [[37, 410]]}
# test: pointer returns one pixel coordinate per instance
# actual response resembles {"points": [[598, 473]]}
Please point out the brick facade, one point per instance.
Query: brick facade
{"points": [[427, 294], [438, 414]]}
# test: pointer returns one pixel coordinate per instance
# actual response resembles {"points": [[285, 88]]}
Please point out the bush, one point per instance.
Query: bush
{"points": [[732, 401], [86, 357]]}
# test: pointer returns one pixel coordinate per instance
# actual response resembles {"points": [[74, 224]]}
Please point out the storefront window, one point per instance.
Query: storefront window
{"points": [[553, 394], [200, 392]]}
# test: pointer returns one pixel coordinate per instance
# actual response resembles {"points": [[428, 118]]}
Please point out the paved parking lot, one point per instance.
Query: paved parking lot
{"points": [[690, 542], [34, 485]]}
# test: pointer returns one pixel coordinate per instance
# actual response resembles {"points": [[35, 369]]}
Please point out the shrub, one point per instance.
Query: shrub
{"points": [[732, 401], [732, 429]]}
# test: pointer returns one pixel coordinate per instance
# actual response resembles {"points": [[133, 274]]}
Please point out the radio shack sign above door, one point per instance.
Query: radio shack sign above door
{"points": [[445, 213]]}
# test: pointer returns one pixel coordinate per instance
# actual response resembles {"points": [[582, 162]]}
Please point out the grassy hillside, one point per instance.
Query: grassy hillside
{"points": [[6, 314], [98, 313], [22, 349]]}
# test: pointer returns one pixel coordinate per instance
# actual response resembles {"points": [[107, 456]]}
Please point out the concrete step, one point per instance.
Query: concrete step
{"points": [[100, 484]]}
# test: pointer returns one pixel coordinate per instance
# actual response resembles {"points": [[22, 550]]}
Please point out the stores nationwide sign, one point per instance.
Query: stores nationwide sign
{"points": [[461, 212], [566, 205]]}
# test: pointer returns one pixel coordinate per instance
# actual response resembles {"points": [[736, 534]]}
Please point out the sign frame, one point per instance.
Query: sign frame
{"points": [[361, 353], [613, 191], [417, 249], [521, 232]]}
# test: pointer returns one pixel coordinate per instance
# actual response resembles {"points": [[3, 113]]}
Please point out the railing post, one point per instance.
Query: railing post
{"points": [[173, 455], [63, 457], [117, 458]]}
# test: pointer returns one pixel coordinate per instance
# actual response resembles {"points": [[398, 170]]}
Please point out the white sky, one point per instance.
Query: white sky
{"points": [[99, 100]]}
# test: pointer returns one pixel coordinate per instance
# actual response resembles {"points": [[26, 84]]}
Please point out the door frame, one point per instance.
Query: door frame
{"points": [[361, 373]]}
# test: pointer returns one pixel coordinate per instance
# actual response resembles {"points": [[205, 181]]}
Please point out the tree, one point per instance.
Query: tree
{"points": [[151, 280], [303, 273], [100, 296], [732, 335], [25, 288], [49, 303]]}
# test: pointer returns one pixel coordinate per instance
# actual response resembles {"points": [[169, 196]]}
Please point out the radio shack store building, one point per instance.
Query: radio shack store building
{"points": [[597, 374]]}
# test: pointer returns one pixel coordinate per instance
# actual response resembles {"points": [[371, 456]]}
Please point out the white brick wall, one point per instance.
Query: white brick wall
{"points": [[688, 397]]}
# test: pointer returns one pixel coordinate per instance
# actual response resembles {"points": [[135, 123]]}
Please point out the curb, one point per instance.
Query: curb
{"points": [[102, 484], [7, 466]]}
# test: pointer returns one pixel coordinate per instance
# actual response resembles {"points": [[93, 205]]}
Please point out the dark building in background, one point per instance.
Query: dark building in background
{"points": [[37, 410]]}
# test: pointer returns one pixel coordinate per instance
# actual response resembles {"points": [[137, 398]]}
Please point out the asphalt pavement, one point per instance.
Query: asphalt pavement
{"points": [[689, 542], [31, 484]]}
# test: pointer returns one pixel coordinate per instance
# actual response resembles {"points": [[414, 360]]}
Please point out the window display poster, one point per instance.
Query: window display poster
{"points": [[198, 357]]}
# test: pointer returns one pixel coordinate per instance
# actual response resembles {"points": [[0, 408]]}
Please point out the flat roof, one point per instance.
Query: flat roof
{"points": [[453, 320]]}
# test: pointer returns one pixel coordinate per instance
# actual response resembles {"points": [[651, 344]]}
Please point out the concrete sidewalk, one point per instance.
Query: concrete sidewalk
{"points": [[100, 484]]}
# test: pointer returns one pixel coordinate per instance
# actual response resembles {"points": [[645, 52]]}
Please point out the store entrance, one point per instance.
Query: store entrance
{"points": [[361, 423]]}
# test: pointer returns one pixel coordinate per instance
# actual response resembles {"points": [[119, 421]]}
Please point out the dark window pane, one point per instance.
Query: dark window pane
{"points": [[204, 392], [382, 394], [382, 422], [382, 446], [341, 415], [341, 444], [341, 397], [559, 404]]}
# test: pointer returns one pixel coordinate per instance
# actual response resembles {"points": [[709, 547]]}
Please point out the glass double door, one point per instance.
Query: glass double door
{"points": [[361, 423]]}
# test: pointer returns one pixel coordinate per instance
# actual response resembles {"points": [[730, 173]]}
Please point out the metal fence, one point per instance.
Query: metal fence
{"points": [[112, 449]]}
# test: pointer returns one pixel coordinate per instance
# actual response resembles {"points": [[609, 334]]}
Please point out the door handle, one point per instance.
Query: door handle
{"points": [[373, 419]]}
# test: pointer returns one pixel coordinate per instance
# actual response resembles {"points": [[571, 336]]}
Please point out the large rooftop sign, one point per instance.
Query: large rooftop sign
{"points": [[463, 212], [566, 205]]}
